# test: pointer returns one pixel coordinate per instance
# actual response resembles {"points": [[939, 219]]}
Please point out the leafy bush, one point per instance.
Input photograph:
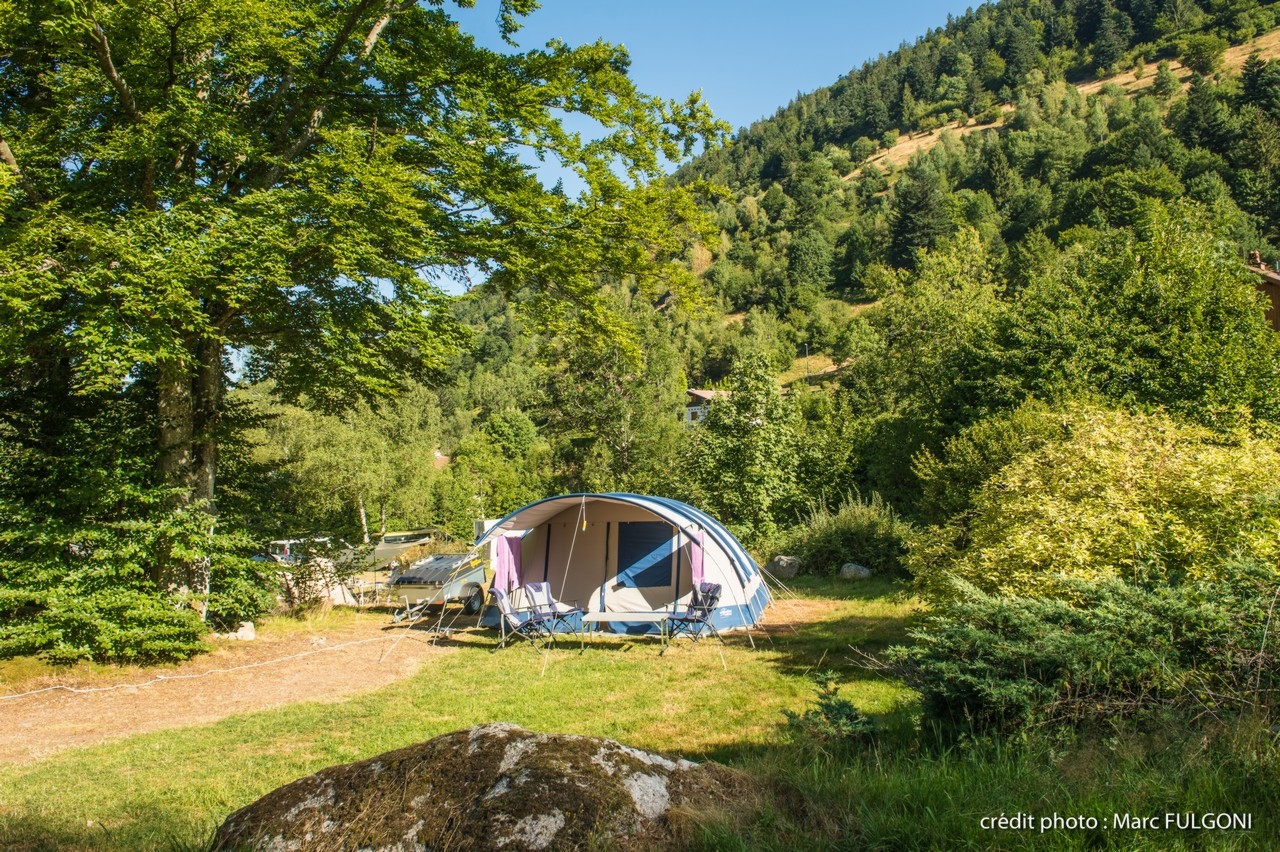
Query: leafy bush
{"points": [[121, 625], [1107, 650], [1138, 497], [990, 115], [949, 481], [832, 720], [75, 591], [96, 561], [865, 531], [239, 590]]}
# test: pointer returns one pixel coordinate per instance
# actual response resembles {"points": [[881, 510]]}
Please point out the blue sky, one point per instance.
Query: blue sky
{"points": [[748, 57]]}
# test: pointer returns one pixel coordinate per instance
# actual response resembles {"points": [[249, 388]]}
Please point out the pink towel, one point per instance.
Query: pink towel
{"points": [[507, 573]]}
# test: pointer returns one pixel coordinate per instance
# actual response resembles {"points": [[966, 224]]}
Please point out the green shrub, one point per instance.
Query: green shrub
{"points": [[239, 591], [1138, 497], [868, 532], [120, 625], [72, 591], [990, 115], [832, 721], [948, 482], [1109, 649]]}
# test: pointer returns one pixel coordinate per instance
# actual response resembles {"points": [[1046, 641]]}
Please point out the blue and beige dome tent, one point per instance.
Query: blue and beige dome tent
{"points": [[626, 553]]}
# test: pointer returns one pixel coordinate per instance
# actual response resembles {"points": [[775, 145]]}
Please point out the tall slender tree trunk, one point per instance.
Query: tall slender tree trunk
{"points": [[175, 411], [207, 408], [364, 518], [188, 403]]}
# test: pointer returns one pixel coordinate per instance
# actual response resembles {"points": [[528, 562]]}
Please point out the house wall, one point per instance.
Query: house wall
{"points": [[1271, 290], [695, 414]]}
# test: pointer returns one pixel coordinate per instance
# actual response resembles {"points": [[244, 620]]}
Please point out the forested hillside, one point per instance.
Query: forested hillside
{"points": [[809, 214], [1055, 398]]}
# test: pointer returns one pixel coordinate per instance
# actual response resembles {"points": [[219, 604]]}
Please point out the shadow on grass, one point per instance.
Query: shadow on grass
{"points": [[822, 629], [26, 834], [910, 790]]}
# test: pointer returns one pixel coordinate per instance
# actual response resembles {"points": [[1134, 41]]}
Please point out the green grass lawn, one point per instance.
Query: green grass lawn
{"points": [[172, 788], [908, 789]]}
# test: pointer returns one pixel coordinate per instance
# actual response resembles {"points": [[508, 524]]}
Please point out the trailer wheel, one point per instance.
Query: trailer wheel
{"points": [[474, 601]]}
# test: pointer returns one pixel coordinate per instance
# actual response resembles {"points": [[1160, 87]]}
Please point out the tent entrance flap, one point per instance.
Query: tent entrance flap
{"points": [[645, 550]]}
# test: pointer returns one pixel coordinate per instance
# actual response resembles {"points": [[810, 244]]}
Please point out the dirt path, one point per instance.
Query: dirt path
{"points": [[326, 661]]}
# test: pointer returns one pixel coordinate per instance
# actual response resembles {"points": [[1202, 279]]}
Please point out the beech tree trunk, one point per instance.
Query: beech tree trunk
{"points": [[175, 412], [207, 409], [188, 404]]}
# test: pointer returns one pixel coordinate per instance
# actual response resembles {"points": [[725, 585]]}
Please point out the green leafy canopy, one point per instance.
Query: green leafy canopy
{"points": [[278, 183]]}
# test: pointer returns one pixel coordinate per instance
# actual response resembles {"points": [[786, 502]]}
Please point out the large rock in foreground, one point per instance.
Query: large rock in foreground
{"points": [[496, 787]]}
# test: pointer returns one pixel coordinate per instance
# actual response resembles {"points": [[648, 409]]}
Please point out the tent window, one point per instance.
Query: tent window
{"points": [[644, 554]]}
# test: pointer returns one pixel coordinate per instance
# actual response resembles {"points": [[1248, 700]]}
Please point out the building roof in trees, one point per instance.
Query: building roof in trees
{"points": [[701, 397], [1269, 285]]}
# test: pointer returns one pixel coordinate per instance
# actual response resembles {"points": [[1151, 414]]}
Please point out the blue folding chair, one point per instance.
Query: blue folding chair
{"points": [[525, 623], [561, 615], [697, 618]]}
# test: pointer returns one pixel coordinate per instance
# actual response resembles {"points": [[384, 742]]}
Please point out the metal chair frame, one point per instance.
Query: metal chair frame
{"points": [[697, 618], [558, 612], [525, 622]]}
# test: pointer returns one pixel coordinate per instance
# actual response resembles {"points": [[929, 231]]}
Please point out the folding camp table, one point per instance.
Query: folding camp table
{"points": [[659, 618]]}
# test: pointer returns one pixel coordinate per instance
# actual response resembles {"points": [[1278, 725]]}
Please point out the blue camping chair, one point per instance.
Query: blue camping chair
{"points": [[561, 615], [525, 623], [697, 618]]}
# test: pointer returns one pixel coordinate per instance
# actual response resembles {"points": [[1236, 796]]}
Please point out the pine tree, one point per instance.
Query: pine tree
{"points": [[909, 109], [1260, 85], [1166, 83], [920, 217]]}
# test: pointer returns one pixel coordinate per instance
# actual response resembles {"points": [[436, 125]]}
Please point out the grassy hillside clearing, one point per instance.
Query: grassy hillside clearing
{"points": [[1267, 46]]}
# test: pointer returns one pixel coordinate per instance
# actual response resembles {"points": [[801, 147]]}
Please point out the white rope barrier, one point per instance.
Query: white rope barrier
{"points": [[162, 678]]}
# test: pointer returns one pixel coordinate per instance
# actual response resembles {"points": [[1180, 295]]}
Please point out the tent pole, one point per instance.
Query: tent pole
{"points": [[604, 582], [675, 601], [546, 556]]}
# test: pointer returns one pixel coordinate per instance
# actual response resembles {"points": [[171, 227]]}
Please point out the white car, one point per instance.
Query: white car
{"points": [[291, 551]]}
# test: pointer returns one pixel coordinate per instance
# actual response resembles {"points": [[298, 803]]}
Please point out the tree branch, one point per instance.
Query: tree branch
{"points": [[322, 68], [109, 68], [130, 106], [393, 8], [6, 156], [371, 39]]}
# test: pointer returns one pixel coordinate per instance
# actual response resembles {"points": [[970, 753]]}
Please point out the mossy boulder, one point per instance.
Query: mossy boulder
{"points": [[493, 787]]}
